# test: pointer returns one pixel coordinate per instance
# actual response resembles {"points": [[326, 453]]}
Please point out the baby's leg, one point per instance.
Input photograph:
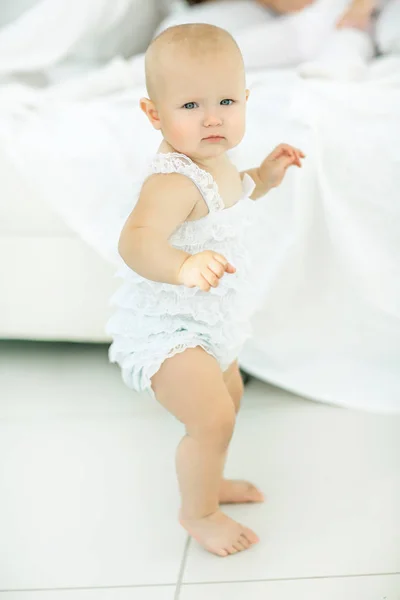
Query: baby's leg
{"points": [[190, 385], [290, 39], [232, 490], [345, 57], [234, 384], [348, 47]]}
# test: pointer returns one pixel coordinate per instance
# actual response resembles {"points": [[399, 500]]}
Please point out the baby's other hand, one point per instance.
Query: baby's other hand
{"points": [[204, 270], [273, 169], [358, 15]]}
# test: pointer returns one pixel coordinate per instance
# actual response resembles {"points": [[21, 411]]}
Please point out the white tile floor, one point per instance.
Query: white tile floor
{"points": [[88, 497]]}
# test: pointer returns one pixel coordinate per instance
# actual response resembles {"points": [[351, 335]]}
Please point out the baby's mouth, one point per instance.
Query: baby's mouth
{"points": [[214, 137]]}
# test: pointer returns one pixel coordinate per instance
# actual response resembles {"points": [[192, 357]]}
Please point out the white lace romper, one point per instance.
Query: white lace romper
{"points": [[154, 321]]}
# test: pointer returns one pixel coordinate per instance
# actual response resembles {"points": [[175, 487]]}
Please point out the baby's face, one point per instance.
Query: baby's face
{"points": [[202, 104]]}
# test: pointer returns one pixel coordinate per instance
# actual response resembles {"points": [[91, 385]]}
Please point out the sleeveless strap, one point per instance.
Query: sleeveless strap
{"points": [[173, 162]]}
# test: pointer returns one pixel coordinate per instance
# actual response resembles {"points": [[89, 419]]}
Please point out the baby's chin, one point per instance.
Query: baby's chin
{"points": [[206, 148], [218, 141], [214, 147]]}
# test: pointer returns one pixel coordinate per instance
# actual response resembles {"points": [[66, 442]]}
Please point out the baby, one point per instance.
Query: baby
{"points": [[183, 311]]}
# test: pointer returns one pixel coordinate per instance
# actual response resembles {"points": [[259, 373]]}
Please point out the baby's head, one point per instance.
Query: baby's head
{"points": [[196, 85]]}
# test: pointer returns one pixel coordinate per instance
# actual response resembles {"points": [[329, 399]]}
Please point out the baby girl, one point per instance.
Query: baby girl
{"points": [[182, 313]]}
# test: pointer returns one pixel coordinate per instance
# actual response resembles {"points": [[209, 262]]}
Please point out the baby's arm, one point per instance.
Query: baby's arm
{"points": [[272, 170], [164, 203]]}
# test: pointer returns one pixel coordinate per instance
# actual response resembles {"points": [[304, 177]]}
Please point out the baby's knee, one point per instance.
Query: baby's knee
{"points": [[217, 428]]}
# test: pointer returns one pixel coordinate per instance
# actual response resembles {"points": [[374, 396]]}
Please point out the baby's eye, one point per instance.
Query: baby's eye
{"points": [[190, 105], [226, 102]]}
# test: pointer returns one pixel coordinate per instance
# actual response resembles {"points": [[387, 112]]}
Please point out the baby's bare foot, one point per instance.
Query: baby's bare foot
{"points": [[233, 491], [219, 534]]}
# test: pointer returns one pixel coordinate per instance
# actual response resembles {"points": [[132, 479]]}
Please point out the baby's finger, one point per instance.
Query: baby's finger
{"points": [[210, 277], [216, 268], [287, 148], [278, 152], [298, 161], [283, 150], [293, 153], [296, 152], [226, 264], [294, 156], [300, 155], [203, 284], [221, 259], [285, 161]]}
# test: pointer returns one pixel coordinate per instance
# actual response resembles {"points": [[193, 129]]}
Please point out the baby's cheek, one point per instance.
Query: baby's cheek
{"points": [[181, 129], [237, 125]]}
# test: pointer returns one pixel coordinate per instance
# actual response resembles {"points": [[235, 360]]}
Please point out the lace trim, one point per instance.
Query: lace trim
{"points": [[138, 376], [174, 162]]}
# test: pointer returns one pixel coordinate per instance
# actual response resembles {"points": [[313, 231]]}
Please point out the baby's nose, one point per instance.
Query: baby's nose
{"points": [[212, 120]]}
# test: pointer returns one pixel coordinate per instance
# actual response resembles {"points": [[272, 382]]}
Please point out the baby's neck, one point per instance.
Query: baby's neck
{"points": [[211, 163]]}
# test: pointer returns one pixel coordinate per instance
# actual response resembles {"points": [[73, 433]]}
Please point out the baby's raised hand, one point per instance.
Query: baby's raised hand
{"points": [[273, 169], [358, 15], [204, 270]]}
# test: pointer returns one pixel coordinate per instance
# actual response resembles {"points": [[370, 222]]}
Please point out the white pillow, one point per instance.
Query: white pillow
{"points": [[130, 35], [39, 35], [388, 28], [10, 10]]}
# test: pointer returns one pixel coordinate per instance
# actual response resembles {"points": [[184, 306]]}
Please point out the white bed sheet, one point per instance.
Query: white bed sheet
{"points": [[329, 325]]}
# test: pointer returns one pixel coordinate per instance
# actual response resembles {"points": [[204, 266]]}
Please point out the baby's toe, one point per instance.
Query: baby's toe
{"points": [[251, 536], [253, 494], [244, 541], [240, 546]]}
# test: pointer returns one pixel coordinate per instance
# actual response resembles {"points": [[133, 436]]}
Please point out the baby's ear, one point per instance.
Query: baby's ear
{"points": [[150, 110], [247, 94]]}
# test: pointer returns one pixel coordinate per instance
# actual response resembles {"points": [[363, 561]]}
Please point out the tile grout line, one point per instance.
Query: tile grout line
{"points": [[182, 569], [318, 577], [156, 585], [84, 588]]}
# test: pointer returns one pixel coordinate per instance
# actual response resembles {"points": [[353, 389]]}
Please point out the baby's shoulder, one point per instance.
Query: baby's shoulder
{"points": [[170, 185], [171, 192]]}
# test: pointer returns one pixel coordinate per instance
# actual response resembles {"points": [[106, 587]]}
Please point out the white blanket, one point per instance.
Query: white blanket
{"points": [[52, 36], [329, 326]]}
